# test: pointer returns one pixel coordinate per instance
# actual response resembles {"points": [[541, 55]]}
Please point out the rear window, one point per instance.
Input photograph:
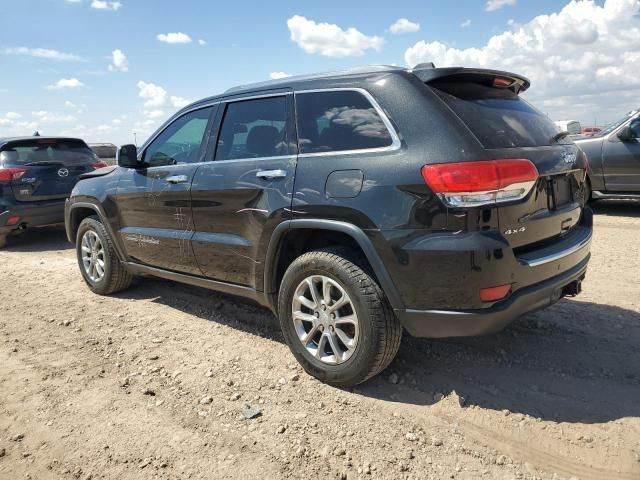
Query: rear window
{"points": [[498, 117], [35, 152]]}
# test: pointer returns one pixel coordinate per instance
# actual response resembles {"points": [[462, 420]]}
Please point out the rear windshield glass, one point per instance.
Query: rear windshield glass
{"points": [[47, 152], [498, 117]]}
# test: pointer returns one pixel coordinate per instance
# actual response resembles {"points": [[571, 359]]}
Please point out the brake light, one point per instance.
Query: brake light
{"points": [[502, 82], [493, 294], [473, 184], [11, 221], [8, 175], [99, 164]]}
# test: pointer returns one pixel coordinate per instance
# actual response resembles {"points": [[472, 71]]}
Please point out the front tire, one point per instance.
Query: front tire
{"points": [[336, 319], [99, 264]]}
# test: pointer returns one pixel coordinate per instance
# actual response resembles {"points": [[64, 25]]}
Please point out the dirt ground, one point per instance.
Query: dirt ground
{"points": [[152, 383]]}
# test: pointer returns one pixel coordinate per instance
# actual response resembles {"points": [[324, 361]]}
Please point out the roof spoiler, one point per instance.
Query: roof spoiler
{"points": [[427, 73]]}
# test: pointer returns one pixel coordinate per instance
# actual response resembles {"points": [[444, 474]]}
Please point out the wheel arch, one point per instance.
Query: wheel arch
{"points": [[78, 211], [277, 261]]}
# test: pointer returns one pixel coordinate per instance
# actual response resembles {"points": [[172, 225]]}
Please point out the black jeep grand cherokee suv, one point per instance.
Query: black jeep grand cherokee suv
{"points": [[353, 205]]}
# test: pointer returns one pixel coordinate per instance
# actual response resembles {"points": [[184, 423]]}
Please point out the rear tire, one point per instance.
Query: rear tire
{"points": [[365, 347], [97, 259], [3, 241]]}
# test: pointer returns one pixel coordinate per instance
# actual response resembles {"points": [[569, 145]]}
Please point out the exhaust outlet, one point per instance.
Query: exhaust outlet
{"points": [[573, 289]]}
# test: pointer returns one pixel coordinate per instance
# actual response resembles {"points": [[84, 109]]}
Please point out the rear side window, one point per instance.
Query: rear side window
{"points": [[498, 117], [253, 129], [68, 152], [335, 121]]}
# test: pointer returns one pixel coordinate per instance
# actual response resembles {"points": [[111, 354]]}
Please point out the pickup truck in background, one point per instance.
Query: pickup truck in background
{"points": [[614, 159]]}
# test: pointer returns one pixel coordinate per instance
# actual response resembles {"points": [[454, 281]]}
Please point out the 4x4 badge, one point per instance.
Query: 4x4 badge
{"points": [[513, 231]]}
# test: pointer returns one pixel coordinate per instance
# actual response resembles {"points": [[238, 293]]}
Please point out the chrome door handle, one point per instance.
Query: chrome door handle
{"points": [[177, 179], [271, 174]]}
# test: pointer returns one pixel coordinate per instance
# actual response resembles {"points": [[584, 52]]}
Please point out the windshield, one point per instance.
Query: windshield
{"points": [[498, 117], [613, 126], [66, 152]]}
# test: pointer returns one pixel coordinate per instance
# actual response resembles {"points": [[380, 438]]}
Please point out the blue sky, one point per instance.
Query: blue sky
{"points": [[72, 85]]}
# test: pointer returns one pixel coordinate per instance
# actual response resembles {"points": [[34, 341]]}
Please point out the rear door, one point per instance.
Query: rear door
{"points": [[510, 128], [51, 167], [621, 161], [154, 203], [245, 192]]}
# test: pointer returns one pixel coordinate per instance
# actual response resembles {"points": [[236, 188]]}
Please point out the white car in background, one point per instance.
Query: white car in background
{"points": [[573, 127]]}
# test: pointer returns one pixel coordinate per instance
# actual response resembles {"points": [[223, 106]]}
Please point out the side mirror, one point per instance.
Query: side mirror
{"points": [[127, 156]]}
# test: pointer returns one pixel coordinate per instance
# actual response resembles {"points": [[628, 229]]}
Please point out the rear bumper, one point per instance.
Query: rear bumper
{"points": [[36, 215], [439, 323]]}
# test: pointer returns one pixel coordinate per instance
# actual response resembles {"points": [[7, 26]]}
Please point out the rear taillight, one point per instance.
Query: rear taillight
{"points": [[8, 175], [99, 164], [473, 184]]}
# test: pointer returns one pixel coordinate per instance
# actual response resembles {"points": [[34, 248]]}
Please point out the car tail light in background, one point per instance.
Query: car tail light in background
{"points": [[474, 184], [493, 294], [99, 164], [8, 175], [11, 221]]}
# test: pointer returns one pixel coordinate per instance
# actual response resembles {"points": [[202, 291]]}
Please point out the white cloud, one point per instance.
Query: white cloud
{"points": [[152, 94], [42, 53], [156, 98], [202, 42], [66, 83], [119, 62], [466, 23], [493, 5], [586, 51], [12, 115], [154, 113], [105, 5], [49, 117], [404, 25], [175, 37], [278, 75], [329, 39], [179, 102], [74, 1]]}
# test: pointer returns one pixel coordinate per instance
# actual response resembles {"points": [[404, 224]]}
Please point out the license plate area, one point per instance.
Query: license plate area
{"points": [[559, 191]]}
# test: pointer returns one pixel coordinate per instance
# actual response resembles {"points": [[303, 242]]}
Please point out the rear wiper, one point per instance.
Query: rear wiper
{"points": [[559, 136], [45, 162]]}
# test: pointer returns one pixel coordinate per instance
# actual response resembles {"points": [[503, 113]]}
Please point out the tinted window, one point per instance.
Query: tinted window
{"points": [[334, 121], [254, 128], [47, 151], [635, 128], [498, 117], [180, 142]]}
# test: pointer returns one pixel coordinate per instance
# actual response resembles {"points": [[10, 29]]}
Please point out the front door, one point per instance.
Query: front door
{"points": [[621, 161], [154, 203], [240, 197]]}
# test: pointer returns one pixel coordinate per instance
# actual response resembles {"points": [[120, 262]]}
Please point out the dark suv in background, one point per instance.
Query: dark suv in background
{"points": [[36, 175], [353, 205]]}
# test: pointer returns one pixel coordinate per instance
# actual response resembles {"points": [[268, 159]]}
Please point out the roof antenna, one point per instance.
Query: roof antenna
{"points": [[36, 134]]}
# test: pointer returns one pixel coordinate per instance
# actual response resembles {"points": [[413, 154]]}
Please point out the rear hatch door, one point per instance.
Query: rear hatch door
{"points": [[508, 127], [51, 167]]}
